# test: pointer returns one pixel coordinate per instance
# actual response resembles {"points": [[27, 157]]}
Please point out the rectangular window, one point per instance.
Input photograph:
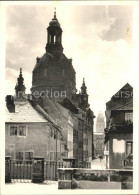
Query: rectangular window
{"points": [[17, 131], [19, 156], [129, 117], [22, 130], [13, 130], [129, 148], [28, 155]]}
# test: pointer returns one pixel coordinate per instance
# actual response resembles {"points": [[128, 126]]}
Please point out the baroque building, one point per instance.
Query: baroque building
{"points": [[54, 82], [52, 107], [53, 74]]}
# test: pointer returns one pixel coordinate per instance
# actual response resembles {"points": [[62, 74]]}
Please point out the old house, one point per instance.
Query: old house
{"points": [[119, 129], [29, 130]]}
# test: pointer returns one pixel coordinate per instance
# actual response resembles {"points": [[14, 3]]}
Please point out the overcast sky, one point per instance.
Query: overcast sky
{"points": [[97, 38]]}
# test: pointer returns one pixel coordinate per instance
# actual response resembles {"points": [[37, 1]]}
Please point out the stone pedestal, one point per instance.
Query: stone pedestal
{"points": [[7, 169], [38, 170], [65, 178]]}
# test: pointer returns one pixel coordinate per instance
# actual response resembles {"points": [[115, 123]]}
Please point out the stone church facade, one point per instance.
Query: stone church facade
{"points": [[53, 74]]}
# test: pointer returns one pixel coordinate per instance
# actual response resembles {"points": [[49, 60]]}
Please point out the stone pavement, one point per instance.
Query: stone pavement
{"points": [[27, 187], [96, 164]]}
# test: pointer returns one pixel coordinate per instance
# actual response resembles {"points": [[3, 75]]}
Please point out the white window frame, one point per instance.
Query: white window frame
{"points": [[23, 136]]}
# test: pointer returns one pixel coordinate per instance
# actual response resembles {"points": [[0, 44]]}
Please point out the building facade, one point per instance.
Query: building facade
{"points": [[99, 135], [29, 130], [100, 123], [119, 129], [98, 144], [54, 95], [54, 81], [53, 75]]}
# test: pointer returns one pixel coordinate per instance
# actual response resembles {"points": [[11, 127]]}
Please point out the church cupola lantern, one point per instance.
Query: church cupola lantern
{"points": [[54, 36]]}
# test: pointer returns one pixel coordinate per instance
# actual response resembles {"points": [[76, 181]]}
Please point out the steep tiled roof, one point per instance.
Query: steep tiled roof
{"points": [[43, 113], [24, 112], [28, 111], [123, 97]]}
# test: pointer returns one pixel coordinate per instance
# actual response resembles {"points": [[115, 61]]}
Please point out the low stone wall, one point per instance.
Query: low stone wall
{"points": [[77, 178]]}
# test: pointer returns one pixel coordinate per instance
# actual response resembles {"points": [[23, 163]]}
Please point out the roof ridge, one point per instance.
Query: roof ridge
{"points": [[42, 112], [123, 105]]}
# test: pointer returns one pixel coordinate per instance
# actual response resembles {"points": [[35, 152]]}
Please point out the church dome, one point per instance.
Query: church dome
{"points": [[54, 22]]}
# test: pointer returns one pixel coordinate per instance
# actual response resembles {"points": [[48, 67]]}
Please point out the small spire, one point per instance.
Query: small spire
{"points": [[83, 87], [55, 13], [20, 87], [20, 70]]}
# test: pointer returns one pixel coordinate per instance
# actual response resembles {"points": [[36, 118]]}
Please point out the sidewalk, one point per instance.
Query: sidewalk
{"points": [[27, 187], [96, 164]]}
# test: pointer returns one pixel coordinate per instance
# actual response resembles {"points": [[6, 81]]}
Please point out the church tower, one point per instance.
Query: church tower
{"points": [[53, 75], [83, 96], [100, 123], [20, 87]]}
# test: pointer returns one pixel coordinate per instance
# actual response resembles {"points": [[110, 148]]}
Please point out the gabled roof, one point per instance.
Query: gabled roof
{"points": [[123, 97], [42, 112], [24, 112], [28, 111]]}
